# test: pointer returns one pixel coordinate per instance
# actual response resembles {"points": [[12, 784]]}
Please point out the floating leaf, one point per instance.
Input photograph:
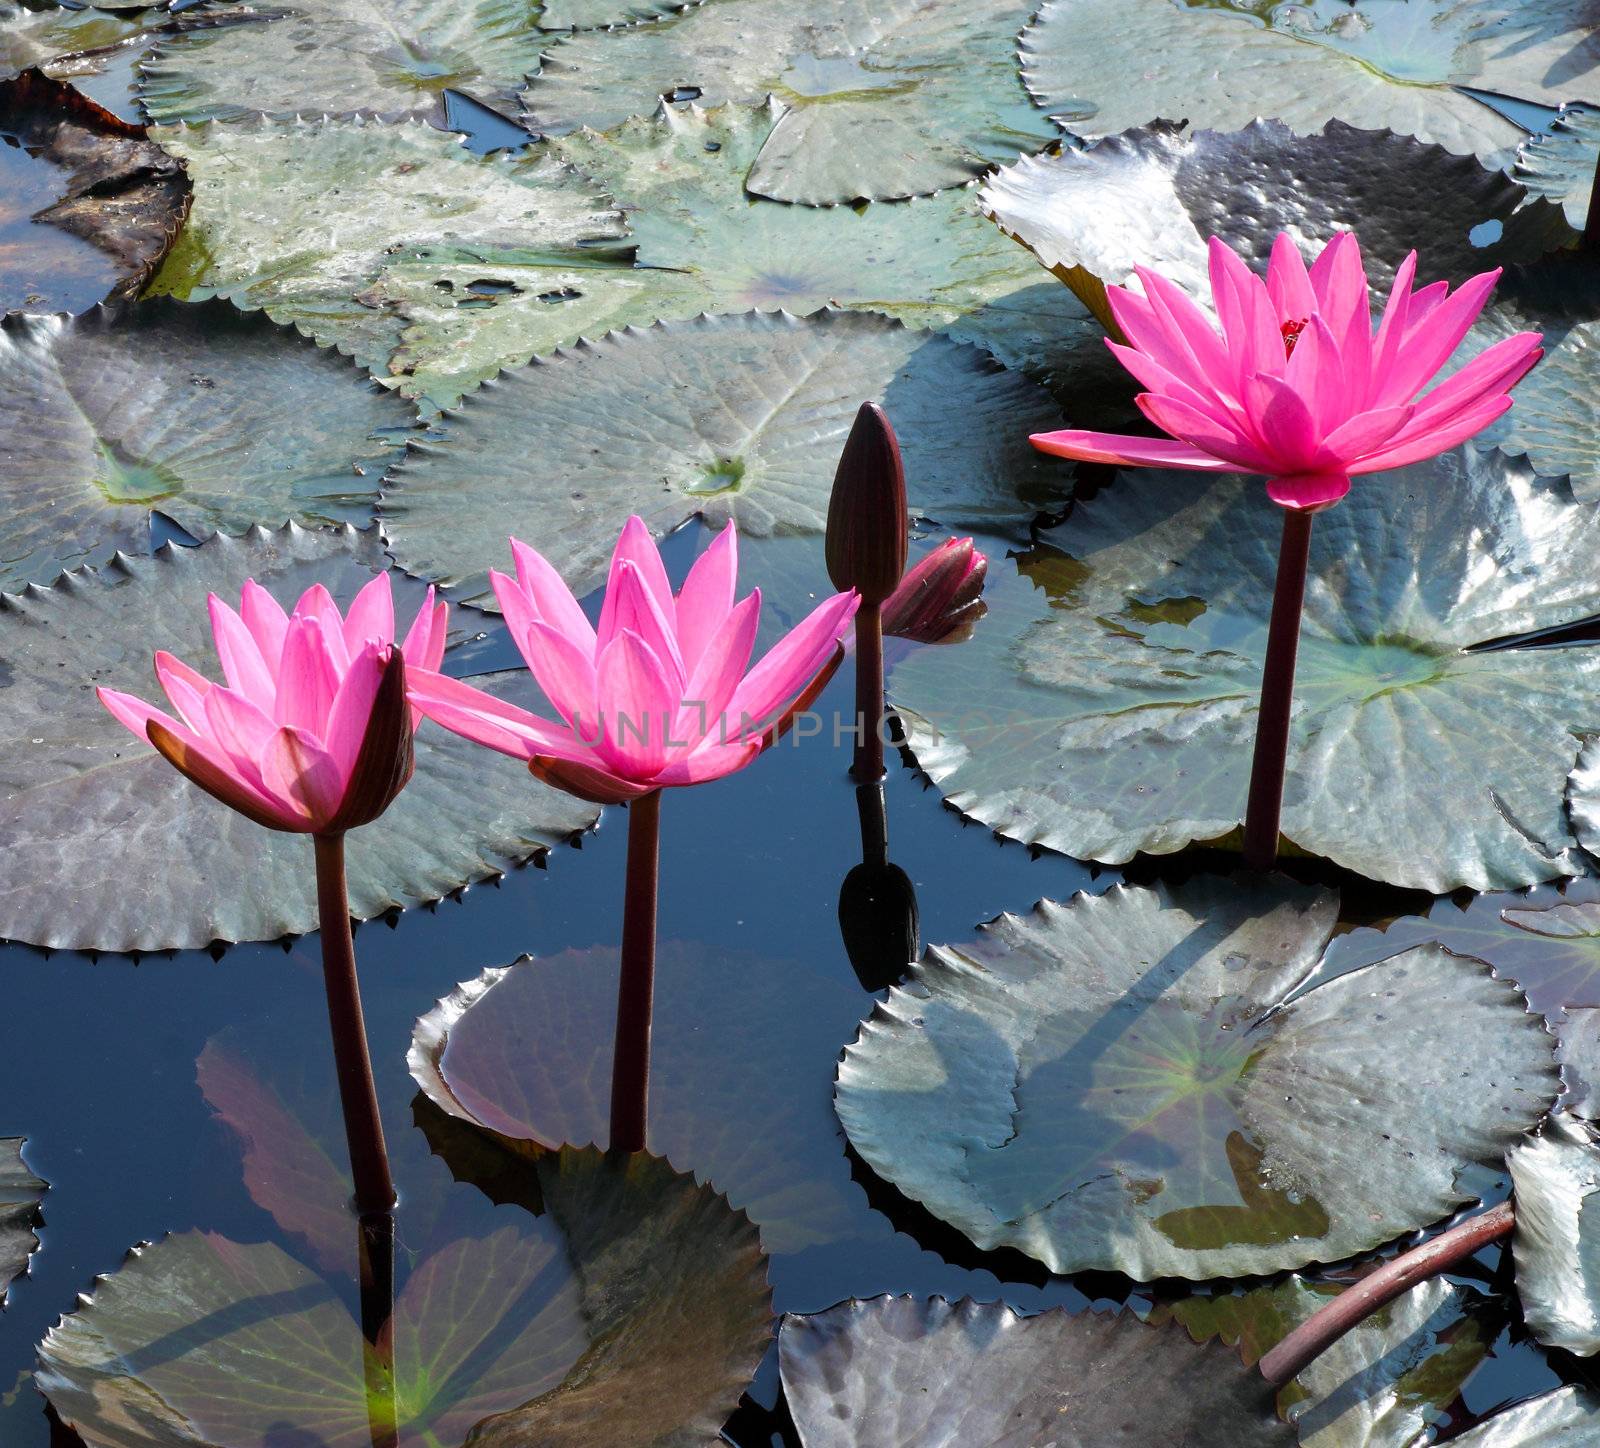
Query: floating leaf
{"points": [[894, 1371], [1111, 705], [722, 418], [1559, 162], [878, 101], [324, 57], [1556, 1178], [91, 205], [1580, 1061], [1118, 1083], [1102, 66], [603, 14], [311, 219], [57, 39], [1155, 196], [20, 1194], [1562, 1419], [503, 1339], [1381, 1385], [525, 1052], [112, 849], [216, 419]]}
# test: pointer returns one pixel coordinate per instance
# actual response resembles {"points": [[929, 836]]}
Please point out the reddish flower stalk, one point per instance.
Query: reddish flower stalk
{"points": [[1355, 1304], [630, 1062]]}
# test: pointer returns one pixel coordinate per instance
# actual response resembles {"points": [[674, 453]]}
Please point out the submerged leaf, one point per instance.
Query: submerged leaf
{"points": [[313, 220], [877, 100], [494, 1339], [895, 1371], [1102, 66], [20, 1194], [1118, 1083], [1109, 706], [1556, 1178], [1154, 197], [215, 419], [112, 849], [91, 205], [721, 418], [322, 57]]}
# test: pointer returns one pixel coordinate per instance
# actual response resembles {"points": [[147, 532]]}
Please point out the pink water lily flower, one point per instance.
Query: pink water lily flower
{"points": [[312, 731], [656, 696], [1298, 385]]}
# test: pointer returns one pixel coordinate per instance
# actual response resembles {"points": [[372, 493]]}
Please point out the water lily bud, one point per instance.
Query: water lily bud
{"points": [[940, 600], [866, 544]]}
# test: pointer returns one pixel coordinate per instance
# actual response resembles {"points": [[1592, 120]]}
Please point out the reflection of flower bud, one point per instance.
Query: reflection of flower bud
{"points": [[866, 542], [941, 598]]}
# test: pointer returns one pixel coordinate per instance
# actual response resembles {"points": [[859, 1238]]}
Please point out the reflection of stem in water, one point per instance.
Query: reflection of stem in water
{"points": [[630, 1064], [375, 1265], [1355, 1304], [1277, 694], [877, 902], [369, 1158]]}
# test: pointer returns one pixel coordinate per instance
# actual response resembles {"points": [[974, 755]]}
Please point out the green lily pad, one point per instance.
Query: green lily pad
{"points": [[20, 1194], [894, 1371], [730, 417], [605, 14], [1111, 706], [1559, 162], [91, 205], [60, 40], [216, 419], [311, 219], [1102, 66], [113, 849], [1580, 1061], [1153, 197], [330, 57], [508, 1338], [524, 1053], [1117, 1083], [1556, 1177], [877, 101], [1384, 1384], [1562, 1419]]}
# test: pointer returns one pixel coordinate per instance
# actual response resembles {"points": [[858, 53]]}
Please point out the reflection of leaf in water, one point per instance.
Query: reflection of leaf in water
{"points": [[20, 1194]]}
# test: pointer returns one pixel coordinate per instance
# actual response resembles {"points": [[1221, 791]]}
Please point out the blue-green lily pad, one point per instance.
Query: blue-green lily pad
{"points": [[1139, 1082], [20, 1194], [1556, 1178], [1559, 161], [1565, 1418]]}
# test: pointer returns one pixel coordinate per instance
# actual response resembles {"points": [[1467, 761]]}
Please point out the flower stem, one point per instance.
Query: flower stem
{"points": [[1277, 694], [868, 765], [1355, 1304], [630, 1062], [369, 1159]]}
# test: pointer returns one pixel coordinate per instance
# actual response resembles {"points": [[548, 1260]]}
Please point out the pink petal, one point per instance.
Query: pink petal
{"points": [[307, 678], [1426, 348], [202, 761], [186, 687], [566, 673], [635, 546], [1436, 440], [241, 731], [1495, 370], [1392, 325], [1339, 281], [638, 703], [1287, 282], [1146, 328], [371, 615], [264, 616], [552, 600], [1284, 422], [721, 667], [1211, 434], [352, 706], [486, 720], [1182, 319], [707, 595], [633, 608], [242, 664], [788, 666], [299, 772], [1250, 324], [1361, 434], [1128, 451], [1308, 491], [1158, 380], [710, 761], [425, 639], [134, 714]]}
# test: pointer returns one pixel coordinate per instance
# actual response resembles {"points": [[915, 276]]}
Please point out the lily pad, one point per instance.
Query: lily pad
{"points": [[878, 101], [723, 418], [199, 1340], [524, 1052], [900, 1370], [1559, 161], [1580, 1061], [330, 57], [1563, 1419], [20, 1194], [1556, 1177], [310, 219], [605, 14], [216, 419], [1154, 196], [1111, 707], [1384, 1384], [60, 40], [112, 849], [91, 204], [1118, 1083], [1102, 66]]}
